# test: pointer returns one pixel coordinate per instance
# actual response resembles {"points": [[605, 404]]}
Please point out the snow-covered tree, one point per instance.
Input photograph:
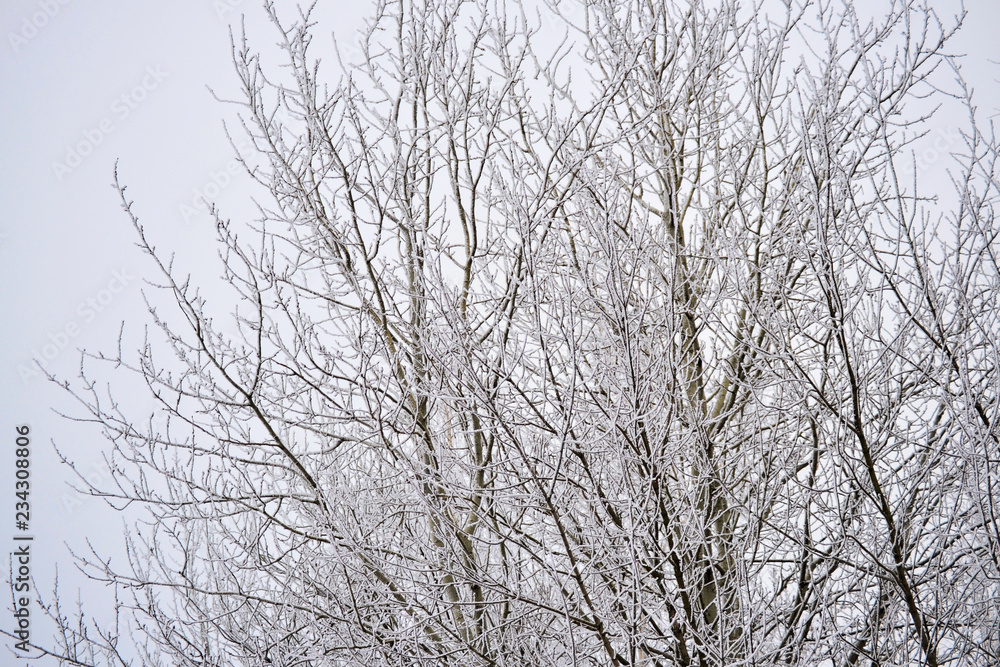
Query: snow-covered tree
{"points": [[607, 333]]}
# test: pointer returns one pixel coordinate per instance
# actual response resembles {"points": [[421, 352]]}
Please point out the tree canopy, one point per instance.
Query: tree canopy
{"points": [[615, 333]]}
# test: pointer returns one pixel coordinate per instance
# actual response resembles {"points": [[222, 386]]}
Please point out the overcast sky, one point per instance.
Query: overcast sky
{"points": [[84, 84]]}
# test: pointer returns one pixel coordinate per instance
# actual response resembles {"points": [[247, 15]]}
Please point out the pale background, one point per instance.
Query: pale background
{"points": [[64, 238]]}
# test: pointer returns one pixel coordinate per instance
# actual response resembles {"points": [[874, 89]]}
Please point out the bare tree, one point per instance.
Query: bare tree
{"points": [[625, 334]]}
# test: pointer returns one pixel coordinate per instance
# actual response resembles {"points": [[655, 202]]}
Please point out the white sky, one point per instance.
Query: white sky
{"points": [[64, 239]]}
